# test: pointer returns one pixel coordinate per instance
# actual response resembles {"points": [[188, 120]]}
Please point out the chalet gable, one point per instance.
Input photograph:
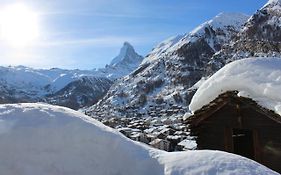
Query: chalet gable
{"points": [[238, 125], [230, 98]]}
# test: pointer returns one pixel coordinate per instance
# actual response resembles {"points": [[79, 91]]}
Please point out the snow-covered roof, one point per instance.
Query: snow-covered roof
{"points": [[156, 141], [135, 135], [175, 137], [255, 78], [188, 144], [124, 129], [44, 139]]}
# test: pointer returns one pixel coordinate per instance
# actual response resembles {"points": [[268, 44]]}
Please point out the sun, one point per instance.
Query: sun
{"points": [[19, 25]]}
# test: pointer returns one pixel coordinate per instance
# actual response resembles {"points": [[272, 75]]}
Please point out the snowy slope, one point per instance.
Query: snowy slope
{"points": [[273, 3], [164, 77], [85, 91], [43, 139], [23, 78], [29, 79], [257, 78], [216, 31], [161, 49], [62, 77], [219, 30], [56, 86]]}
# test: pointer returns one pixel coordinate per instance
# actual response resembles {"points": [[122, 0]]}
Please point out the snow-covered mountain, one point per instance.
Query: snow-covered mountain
{"points": [[85, 91], [127, 61], [58, 86], [161, 84], [72, 88], [44, 139], [215, 33], [261, 37], [127, 56]]}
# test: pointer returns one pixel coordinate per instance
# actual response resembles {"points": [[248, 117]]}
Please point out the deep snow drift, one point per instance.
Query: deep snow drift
{"points": [[256, 78], [43, 139]]}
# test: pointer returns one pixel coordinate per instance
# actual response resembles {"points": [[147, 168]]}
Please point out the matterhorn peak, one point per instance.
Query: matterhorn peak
{"points": [[127, 54], [127, 44]]}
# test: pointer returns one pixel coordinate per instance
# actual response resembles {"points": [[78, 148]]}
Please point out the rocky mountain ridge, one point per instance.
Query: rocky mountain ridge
{"points": [[260, 37], [123, 64], [161, 84], [165, 81]]}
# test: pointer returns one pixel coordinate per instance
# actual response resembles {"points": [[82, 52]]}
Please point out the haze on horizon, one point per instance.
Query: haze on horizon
{"points": [[88, 34]]}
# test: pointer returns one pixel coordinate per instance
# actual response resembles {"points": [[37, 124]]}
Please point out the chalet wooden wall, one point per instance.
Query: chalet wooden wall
{"points": [[215, 131]]}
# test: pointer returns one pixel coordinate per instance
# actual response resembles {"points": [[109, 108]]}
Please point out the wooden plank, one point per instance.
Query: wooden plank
{"points": [[228, 142], [257, 146]]}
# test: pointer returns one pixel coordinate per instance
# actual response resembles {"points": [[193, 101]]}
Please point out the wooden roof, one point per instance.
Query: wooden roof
{"points": [[226, 98]]}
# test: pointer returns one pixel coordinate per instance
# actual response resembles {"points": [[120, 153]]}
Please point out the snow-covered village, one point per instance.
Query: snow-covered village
{"points": [[140, 87]]}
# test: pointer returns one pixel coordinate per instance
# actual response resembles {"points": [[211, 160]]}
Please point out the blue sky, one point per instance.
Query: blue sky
{"points": [[87, 34]]}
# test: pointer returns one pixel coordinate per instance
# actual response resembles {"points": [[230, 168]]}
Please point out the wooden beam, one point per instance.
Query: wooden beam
{"points": [[201, 118], [228, 141], [257, 147]]}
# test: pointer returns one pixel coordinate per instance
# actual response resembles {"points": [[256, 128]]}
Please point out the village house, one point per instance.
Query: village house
{"points": [[186, 144], [140, 137], [239, 125], [160, 144]]}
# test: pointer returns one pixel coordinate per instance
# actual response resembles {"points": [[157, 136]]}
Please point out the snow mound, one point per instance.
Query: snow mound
{"points": [[44, 139], [209, 163], [256, 78]]}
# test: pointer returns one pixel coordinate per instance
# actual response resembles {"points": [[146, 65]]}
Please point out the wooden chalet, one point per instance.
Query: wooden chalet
{"points": [[239, 125]]}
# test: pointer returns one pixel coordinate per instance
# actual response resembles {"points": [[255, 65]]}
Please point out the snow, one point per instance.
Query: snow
{"points": [[222, 20], [272, 2], [188, 144], [37, 83], [256, 78], [187, 115], [22, 77], [161, 48], [162, 70], [208, 162], [28, 79], [198, 84], [44, 139], [219, 23]]}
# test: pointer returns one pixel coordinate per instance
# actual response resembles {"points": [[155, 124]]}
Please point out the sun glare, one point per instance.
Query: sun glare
{"points": [[18, 25]]}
